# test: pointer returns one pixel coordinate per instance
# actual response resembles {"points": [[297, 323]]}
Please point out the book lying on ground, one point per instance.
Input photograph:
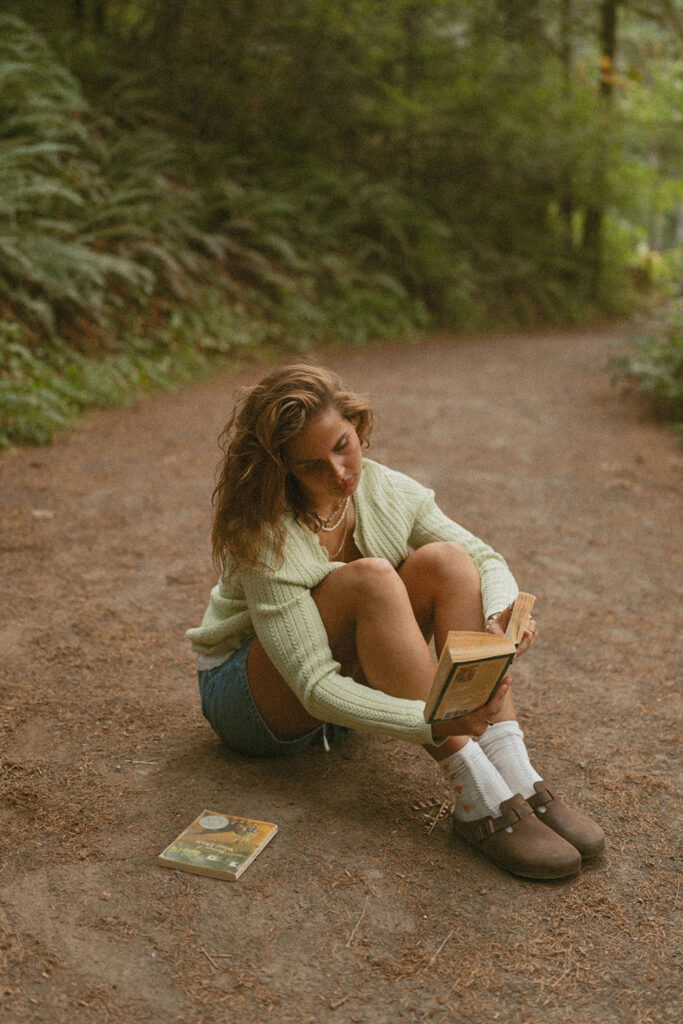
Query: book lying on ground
{"points": [[218, 845], [472, 666]]}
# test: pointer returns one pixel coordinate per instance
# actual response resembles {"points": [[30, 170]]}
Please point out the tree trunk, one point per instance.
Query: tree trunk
{"points": [[167, 22], [100, 16], [567, 199], [595, 213], [410, 69]]}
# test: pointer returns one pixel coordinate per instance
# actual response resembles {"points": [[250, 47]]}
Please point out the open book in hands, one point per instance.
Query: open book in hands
{"points": [[472, 666]]}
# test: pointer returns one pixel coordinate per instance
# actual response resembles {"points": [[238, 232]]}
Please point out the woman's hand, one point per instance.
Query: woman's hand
{"points": [[476, 723], [499, 623]]}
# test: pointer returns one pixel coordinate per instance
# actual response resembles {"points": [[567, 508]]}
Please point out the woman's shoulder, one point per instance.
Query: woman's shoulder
{"points": [[379, 478]]}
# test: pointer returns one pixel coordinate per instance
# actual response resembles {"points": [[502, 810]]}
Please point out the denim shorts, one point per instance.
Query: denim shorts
{"points": [[230, 709]]}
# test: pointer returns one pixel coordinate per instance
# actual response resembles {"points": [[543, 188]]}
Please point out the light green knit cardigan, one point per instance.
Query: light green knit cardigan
{"points": [[393, 513]]}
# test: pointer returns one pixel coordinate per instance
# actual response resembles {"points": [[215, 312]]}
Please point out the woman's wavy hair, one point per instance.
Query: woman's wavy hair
{"points": [[254, 487]]}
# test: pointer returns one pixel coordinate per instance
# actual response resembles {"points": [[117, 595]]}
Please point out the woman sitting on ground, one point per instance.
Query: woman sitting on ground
{"points": [[335, 573]]}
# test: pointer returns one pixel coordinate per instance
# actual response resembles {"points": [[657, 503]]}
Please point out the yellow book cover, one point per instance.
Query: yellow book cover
{"points": [[472, 665], [470, 669], [218, 845]]}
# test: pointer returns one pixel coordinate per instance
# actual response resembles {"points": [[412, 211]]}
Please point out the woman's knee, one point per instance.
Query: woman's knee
{"points": [[443, 559], [371, 576], [354, 592], [356, 583]]}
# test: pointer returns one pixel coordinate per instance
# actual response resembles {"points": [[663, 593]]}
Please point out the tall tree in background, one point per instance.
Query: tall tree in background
{"points": [[90, 16], [567, 201], [593, 235]]}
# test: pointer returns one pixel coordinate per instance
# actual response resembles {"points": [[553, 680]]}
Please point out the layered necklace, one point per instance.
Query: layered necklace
{"points": [[333, 521], [338, 513]]}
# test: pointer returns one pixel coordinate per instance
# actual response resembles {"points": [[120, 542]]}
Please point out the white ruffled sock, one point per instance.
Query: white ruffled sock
{"points": [[478, 786], [503, 744]]}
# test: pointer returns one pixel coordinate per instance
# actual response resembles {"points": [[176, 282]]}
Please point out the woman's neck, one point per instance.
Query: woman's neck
{"points": [[325, 512]]}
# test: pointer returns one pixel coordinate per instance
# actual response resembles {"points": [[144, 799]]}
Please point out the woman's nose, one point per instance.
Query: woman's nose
{"points": [[337, 468]]}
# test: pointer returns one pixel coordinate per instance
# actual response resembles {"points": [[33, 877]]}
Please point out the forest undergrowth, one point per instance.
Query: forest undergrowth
{"points": [[136, 251]]}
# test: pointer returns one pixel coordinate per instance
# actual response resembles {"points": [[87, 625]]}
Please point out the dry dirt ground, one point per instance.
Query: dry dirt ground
{"points": [[364, 907]]}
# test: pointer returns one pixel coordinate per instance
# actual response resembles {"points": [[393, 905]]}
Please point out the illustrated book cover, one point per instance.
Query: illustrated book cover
{"points": [[218, 845], [472, 665]]}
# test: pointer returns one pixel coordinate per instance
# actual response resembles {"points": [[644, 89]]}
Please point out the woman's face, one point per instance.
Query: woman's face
{"points": [[326, 460]]}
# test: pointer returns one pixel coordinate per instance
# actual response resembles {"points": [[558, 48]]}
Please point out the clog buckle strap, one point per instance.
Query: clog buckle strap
{"points": [[542, 797], [489, 826]]}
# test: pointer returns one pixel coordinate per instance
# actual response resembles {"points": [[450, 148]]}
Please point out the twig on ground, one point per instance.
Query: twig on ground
{"points": [[209, 958], [437, 818], [441, 947], [353, 933]]}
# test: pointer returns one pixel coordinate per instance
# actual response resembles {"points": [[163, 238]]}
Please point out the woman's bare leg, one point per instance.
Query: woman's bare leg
{"points": [[444, 590], [445, 593], [370, 626], [378, 623]]}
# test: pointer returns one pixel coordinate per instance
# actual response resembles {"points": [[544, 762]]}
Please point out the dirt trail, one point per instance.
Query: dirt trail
{"points": [[361, 909]]}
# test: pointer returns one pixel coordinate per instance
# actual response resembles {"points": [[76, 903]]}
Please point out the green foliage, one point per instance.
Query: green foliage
{"points": [[654, 367], [115, 276], [88, 223], [42, 388], [327, 256], [180, 180]]}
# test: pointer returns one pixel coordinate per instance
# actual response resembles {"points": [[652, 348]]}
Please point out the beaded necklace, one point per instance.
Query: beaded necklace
{"points": [[346, 530], [326, 524]]}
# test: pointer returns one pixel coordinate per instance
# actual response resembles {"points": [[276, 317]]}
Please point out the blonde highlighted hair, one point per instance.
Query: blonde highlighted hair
{"points": [[254, 487]]}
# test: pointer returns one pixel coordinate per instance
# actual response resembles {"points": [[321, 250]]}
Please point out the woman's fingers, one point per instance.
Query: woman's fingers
{"points": [[496, 702], [497, 624], [478, 722], [529, 637]]}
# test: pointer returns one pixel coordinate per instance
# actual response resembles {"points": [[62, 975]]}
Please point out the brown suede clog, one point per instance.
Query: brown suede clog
{"points": [[575, 827], [517, 841]]}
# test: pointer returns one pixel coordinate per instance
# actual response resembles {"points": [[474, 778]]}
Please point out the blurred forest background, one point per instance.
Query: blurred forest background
{"points": [[181, 181]]}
